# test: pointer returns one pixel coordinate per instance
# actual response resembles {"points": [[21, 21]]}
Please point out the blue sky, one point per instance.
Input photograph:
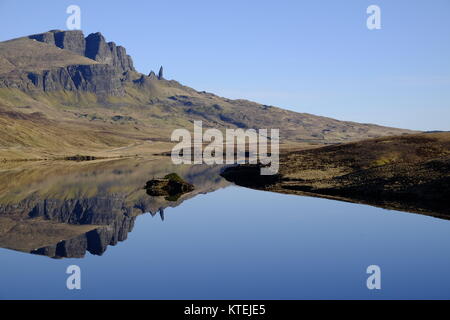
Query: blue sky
{"points": [[308, 56]]}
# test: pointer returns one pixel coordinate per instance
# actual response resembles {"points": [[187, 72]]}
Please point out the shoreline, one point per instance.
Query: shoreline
{"points": [[403, 173]]}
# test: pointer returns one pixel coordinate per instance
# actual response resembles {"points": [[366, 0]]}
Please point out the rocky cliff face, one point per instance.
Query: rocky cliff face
{"points": [[98, 78], [93, 47], [104, 72], [107, 53]]}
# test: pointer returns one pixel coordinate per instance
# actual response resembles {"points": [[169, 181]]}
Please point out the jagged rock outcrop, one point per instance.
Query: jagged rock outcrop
{"points": [[90, 64], [44, 68], [108, 53], [93, 47], [152, 75], [161, 74]]}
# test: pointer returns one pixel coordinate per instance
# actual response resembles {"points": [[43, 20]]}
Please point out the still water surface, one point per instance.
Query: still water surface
{"points": [[226, 242]]}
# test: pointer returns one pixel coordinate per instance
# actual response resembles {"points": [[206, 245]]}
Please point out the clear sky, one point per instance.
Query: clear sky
{"points": [[314, 56]]}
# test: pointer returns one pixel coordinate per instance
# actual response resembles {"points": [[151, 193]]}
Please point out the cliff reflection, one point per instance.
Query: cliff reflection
{"points": [[64, 209]]}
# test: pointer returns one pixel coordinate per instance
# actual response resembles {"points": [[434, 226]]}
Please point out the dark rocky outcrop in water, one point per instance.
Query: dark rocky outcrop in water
{"points": [[171, 186], [250, 176]]}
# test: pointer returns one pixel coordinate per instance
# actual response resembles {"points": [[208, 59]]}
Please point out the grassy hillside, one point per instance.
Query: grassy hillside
{"points": [[25, 54], [138, 118], [48, 125]]}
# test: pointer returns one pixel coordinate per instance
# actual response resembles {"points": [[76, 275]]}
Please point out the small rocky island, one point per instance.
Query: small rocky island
{"points": [[172, 187]]}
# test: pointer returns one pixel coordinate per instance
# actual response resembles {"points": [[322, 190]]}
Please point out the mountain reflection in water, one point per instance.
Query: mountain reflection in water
{"points": [[63, 209]]}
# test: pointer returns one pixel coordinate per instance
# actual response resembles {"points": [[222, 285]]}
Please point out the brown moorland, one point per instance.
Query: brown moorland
{"points": [[408, 173]]}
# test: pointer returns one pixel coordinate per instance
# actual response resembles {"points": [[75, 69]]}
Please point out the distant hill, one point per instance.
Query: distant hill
{"points": [[62, 94]]}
